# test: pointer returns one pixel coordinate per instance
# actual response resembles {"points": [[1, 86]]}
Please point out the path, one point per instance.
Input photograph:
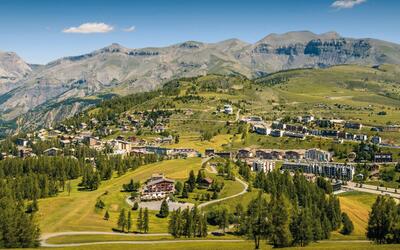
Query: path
{"points": [[45, 237], [245, 186]]}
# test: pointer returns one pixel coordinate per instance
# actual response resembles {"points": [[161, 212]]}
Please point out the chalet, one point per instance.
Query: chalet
{"points": [[361, 137], [263, 154], [244, 153], [52, 151], [205, 183], [185, 152], [296, 128], [278, 125], [91, 141], [22, 142], [24, 152], [228, 109], [276, 133], [353, 125], [225, 155], [315, 154], [159, 128], [330, 133], [209, 152], [383, 157], [307, 118], [82, 125], [294, 155], [157, 187], [376, 139], [65, 142]]}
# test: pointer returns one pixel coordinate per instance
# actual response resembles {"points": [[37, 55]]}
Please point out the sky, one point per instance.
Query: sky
{"points": [[43, 30]]}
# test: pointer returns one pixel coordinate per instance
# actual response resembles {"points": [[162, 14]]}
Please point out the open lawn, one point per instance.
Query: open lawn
{"points": [[76, 212], [357, 205], [195, 142], [234, 245]]}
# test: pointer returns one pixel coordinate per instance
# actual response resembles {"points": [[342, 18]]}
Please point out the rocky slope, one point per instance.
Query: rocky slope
{"points": [[116, 69]]}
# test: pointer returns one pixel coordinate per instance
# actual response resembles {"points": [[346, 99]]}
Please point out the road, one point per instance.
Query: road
{"points": [[245, 186], [45, 237], [372, 189]]}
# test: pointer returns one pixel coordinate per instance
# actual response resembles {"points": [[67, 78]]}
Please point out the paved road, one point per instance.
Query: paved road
{"points": [[245, 186], [372, 189], [45, 237]]}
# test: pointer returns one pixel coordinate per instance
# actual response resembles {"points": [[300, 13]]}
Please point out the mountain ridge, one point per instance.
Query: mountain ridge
{"points": [[120, 70]]}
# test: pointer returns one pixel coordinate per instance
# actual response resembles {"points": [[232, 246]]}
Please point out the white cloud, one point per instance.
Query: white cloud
{"points": [[88, 28], [129, 29], [346, 4]]}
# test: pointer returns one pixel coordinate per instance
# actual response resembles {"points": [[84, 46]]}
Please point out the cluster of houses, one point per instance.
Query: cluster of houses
{"points": [[301, 131]]}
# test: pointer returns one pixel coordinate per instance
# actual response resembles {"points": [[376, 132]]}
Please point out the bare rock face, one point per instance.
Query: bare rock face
{"points": [[120, 70]]}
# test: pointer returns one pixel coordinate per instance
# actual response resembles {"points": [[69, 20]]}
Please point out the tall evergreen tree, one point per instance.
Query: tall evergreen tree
{"points": [[122, 220], [146, 221], [348, 226], [139, 221], [129, 221], [280, 235], [164, 209]]}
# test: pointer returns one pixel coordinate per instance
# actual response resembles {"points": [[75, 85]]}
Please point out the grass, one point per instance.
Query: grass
{"points": [[76, 212], [357, 205], [234, 245], [195, 142]]}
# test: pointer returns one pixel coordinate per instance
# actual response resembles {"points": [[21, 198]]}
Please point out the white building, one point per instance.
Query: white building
{"points": [[316, 154], [376, 139], [228, 109], [262, 165]]}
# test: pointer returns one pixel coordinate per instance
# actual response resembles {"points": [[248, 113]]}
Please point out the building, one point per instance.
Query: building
{"points": [[278, 125], [294, 155], [22, 142], [225, 155], [244, 153], [353, 125], [326, 169], [307, 118], [228, 109], [361, 137], [52, 152], [261, 129], [205, 183], [315, 154], [376, 139], [383, 157], [276, 133], [391, 128], [159, 128], [157, 187], [209, 152], [263, 166]]}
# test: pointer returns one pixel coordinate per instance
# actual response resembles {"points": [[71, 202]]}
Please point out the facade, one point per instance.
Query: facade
{"points": [[263, 165], [315, 154], [261, 129], [353, 125], [276, 133], [228, 109], [209, 152], [157, 187], [327, 169], [244, 153], [383, 157]]}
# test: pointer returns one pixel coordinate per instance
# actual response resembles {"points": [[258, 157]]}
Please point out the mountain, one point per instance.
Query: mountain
{"points": [[12, 69], [54, 90]]}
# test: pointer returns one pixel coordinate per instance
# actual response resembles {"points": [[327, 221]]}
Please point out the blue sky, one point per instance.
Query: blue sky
{"points": [[43, 30]]}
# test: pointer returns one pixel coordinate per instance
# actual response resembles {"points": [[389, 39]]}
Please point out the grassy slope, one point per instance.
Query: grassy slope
{"points": [[357, 205], [77, 213]]}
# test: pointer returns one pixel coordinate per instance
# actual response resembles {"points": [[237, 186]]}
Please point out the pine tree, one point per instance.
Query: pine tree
{"points": [[129, 222], [122, 220], [164, 209], [139, 221], [348, 226], [280, 235], [146, 221], [223, 220], [106, 216], [185, 191], [191, 181], [301, 228]]}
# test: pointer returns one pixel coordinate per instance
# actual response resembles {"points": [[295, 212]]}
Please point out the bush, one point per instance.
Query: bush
{"points": [[135, 206], [100, 204]]}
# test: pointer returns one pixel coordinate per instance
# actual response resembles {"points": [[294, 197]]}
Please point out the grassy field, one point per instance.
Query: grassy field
{"points": [[195, 142], [76, 212], [234, 245], [357, 205]]}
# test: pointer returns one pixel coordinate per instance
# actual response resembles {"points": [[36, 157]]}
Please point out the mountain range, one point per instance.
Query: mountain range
{"points": [[42, 94]]}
